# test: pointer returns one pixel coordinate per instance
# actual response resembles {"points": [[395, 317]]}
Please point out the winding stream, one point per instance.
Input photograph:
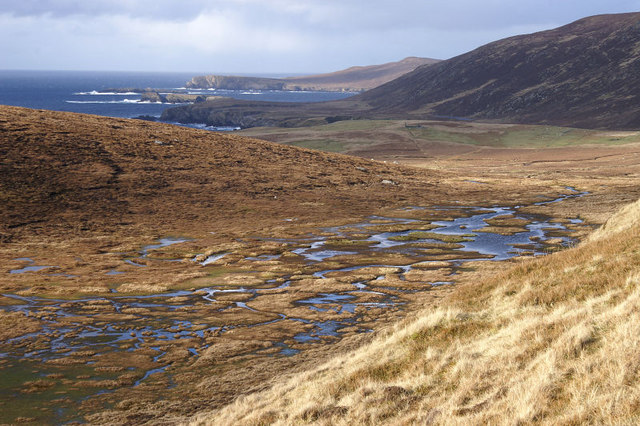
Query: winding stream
{"points": [[129, 323]]}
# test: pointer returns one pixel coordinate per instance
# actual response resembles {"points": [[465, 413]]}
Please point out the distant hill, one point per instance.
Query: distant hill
{"points": [[354, 79], [585, 74]]}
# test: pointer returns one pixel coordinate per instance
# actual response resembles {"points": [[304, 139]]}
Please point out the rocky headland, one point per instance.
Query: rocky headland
{"points": [[354, 79]]}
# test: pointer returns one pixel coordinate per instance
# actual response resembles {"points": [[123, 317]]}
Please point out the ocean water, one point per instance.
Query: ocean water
{"points": [[75, 91]]}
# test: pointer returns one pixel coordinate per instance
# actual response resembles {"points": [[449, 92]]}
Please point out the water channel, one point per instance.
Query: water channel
{"points": [[124, 323]]}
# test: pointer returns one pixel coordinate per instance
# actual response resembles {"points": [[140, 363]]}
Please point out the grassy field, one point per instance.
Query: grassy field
{"points": [[326, 145], [357, 135], [519, 136]]}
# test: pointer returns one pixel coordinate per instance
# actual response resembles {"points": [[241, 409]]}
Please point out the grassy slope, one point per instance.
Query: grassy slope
{"points": [[552, 340]]}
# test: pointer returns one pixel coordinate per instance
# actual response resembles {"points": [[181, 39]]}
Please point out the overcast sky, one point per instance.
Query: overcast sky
{"points": [[265, 36]]}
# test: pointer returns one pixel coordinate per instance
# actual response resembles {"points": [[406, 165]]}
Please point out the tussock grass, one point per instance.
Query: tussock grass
{"points": [[553, 340]]}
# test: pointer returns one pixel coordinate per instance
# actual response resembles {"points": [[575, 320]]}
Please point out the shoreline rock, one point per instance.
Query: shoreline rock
{"points": [[175, 98]]}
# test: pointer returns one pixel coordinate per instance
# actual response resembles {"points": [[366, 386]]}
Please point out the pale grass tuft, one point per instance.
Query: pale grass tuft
{"points": [[553, 341], [626, 218]]}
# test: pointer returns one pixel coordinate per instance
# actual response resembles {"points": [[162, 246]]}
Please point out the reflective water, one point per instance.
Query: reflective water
{"points": [[139, 320]]}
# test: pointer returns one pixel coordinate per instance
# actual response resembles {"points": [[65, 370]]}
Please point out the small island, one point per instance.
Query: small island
{"points": [[175, 97]]}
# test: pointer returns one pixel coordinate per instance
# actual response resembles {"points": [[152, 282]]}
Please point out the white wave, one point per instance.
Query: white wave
{"points": [[94, 102], [124, 101], [251, 93], [96, 93], [127, 101], [158, 103], [93, 92], [212, 128]]}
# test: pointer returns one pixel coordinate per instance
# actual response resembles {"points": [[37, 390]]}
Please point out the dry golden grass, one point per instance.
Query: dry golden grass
{"points": [[627, 218], [554, 340]]}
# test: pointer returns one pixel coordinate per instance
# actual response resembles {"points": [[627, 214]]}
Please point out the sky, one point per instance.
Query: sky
{"points": [[265, 36]]}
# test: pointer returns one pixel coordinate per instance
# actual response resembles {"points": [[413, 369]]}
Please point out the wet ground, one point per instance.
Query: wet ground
{"points": [[267, 297]]}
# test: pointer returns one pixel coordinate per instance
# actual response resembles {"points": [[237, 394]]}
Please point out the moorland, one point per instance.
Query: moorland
{"points": [[396, 268], [145, 263]]}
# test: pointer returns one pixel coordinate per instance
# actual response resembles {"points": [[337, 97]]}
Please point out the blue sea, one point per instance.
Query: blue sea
{"points": [[76, 91]]}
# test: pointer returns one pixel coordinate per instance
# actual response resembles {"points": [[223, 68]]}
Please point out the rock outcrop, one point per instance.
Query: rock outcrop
{"points": [[235, 83], [175, 98]]}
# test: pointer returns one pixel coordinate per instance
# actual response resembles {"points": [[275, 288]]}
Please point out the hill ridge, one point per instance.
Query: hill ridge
{"points": [[352, 79], [584, 74]]}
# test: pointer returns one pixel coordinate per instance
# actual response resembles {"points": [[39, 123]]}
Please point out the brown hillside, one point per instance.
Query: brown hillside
{"points": [[77, 172], [584, 74]]}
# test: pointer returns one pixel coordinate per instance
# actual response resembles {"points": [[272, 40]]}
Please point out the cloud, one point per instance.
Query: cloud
{"points": [[177, 10], [171, 10], [380, 14], [265, 36], [124, 42]]}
